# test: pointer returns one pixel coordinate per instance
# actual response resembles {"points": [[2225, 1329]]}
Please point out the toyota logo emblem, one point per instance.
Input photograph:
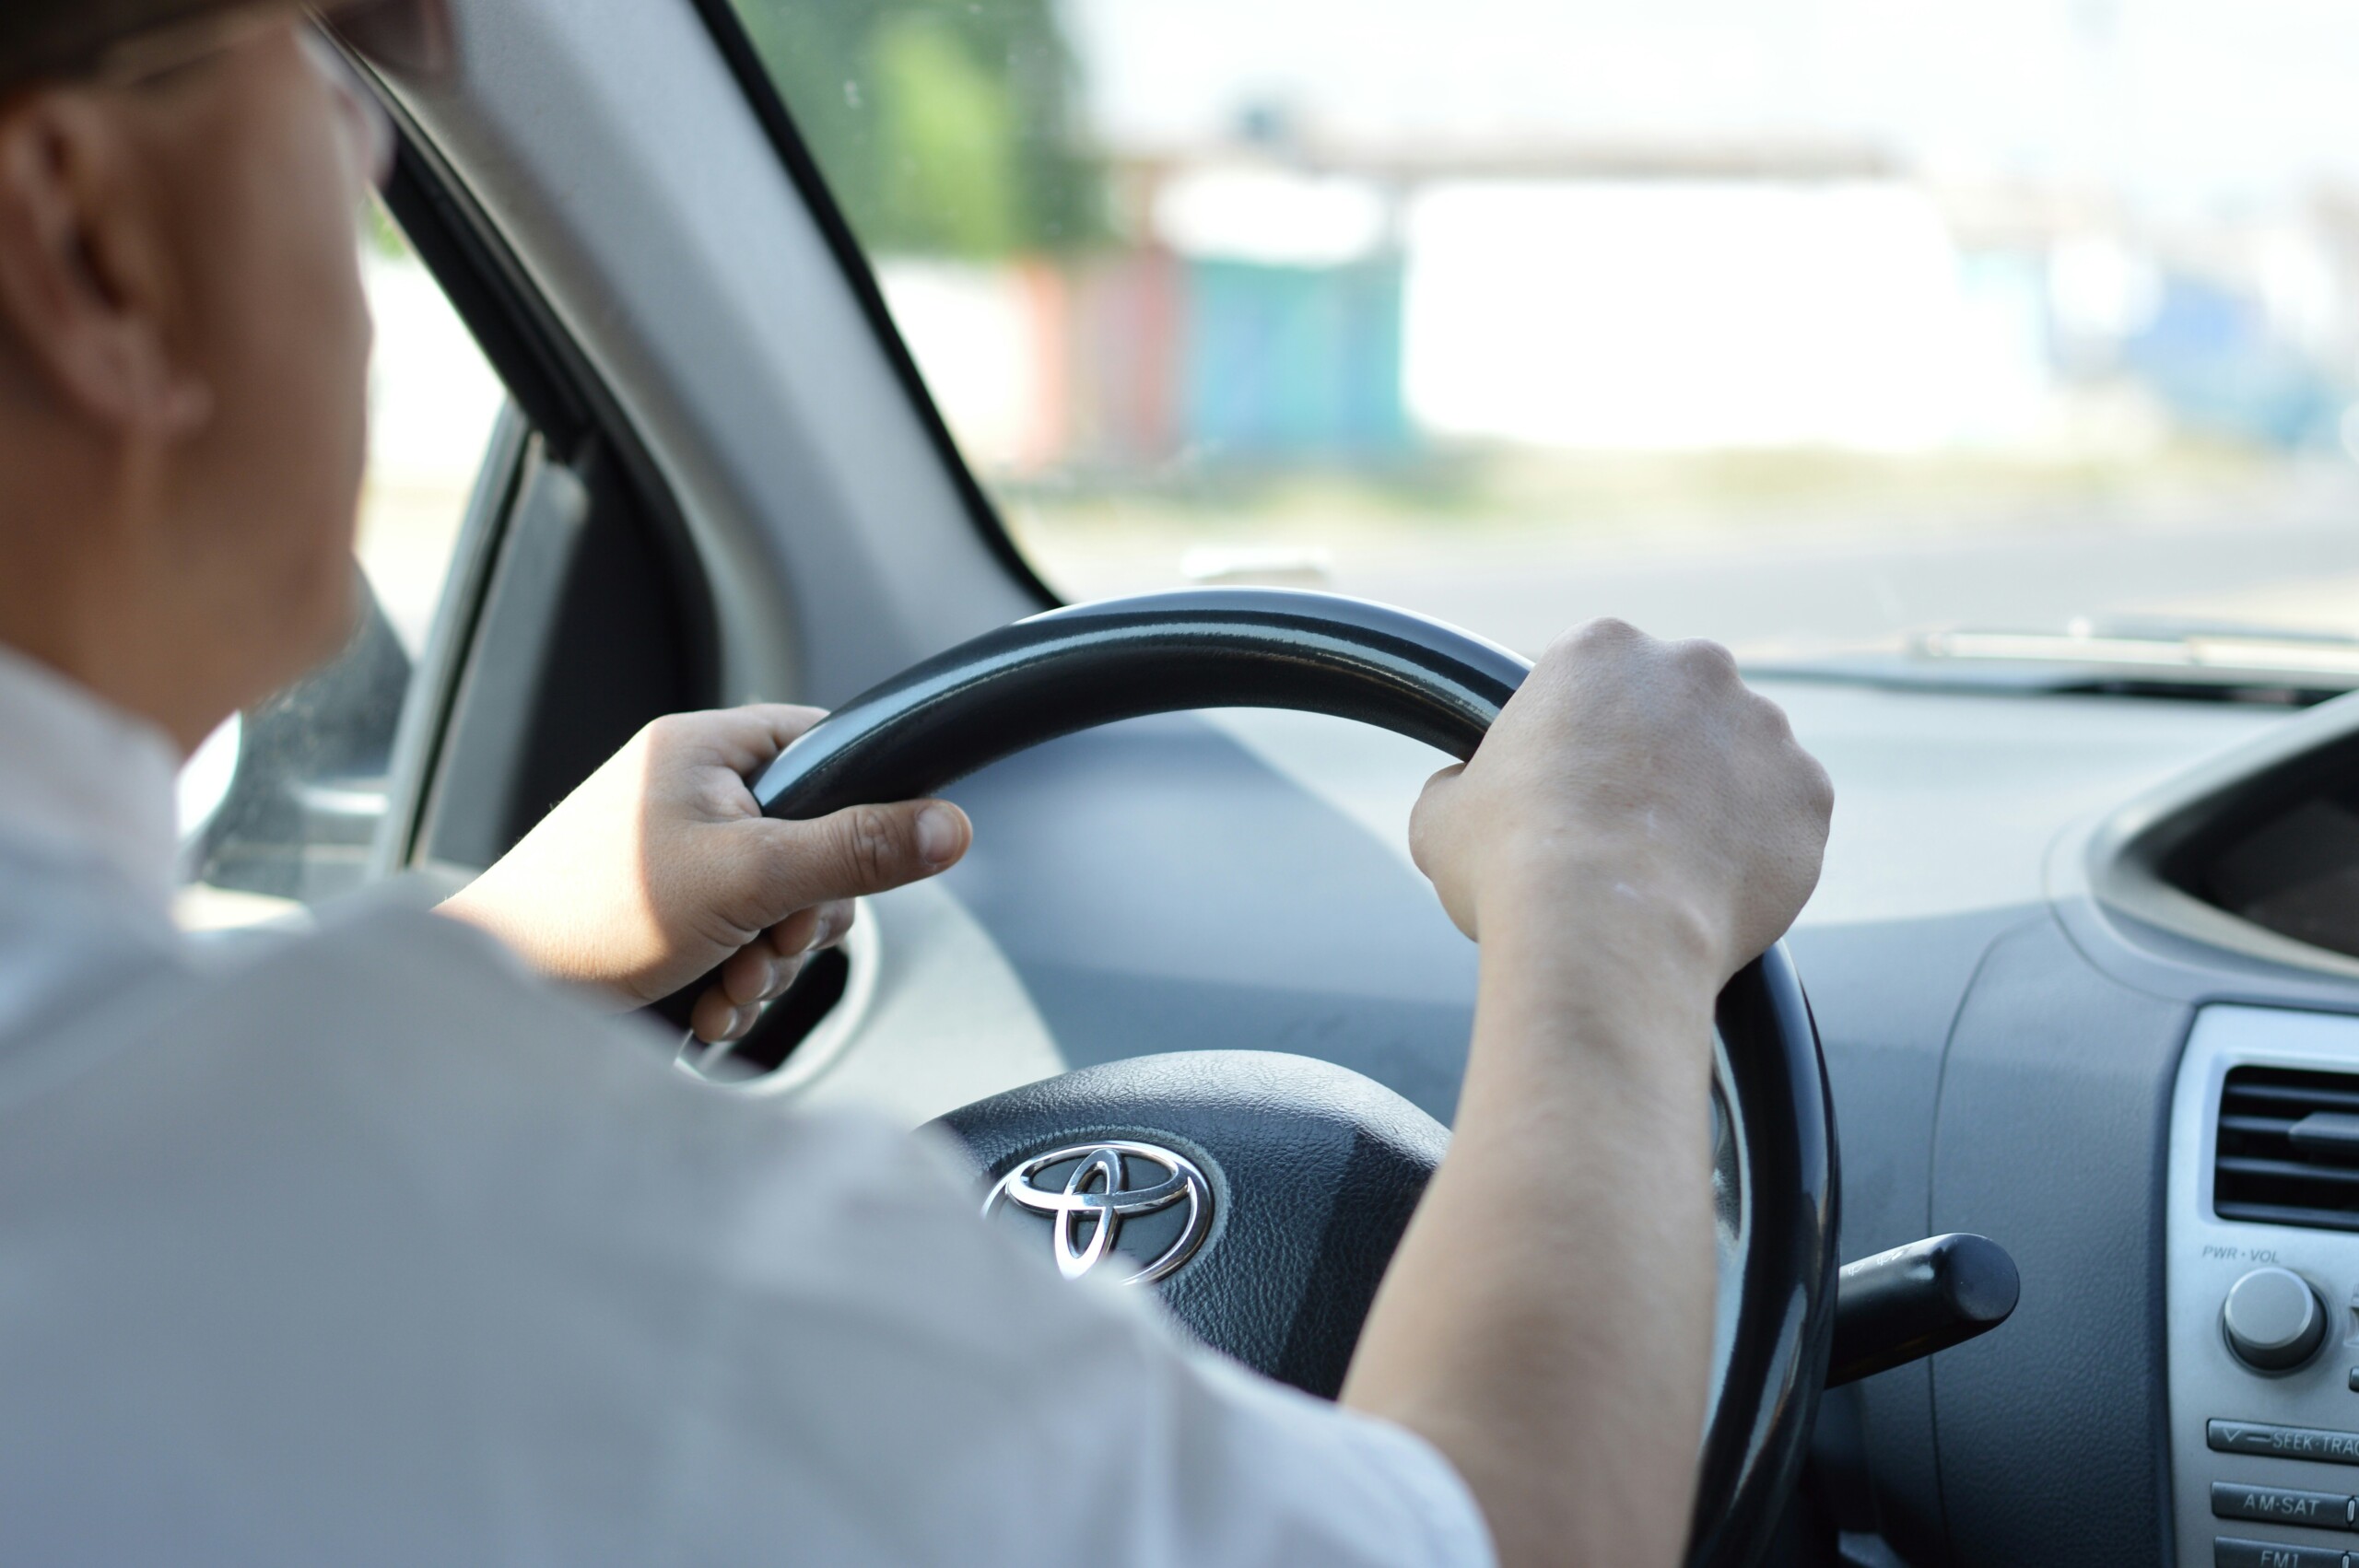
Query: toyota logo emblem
{"points": [[1110, 1183]]}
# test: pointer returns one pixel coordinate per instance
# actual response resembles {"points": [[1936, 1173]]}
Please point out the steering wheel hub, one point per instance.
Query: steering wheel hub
{"points": [[1098, 1211]]}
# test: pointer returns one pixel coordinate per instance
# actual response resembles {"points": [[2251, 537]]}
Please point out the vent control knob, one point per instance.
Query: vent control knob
{"points": [[2274, 1320]]}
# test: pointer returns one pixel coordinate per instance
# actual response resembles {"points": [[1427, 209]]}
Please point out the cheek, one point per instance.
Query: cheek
{"points": [[303, 387], [297, 279], [287, 457], [301, 435], [324, 326]]}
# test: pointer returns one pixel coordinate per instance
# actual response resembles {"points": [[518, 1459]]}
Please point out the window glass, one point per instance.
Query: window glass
{"points": [[1812, 325], [284, 805]]}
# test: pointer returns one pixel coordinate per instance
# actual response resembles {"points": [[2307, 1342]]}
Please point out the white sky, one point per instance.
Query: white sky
{"points": [[2186, 104]]}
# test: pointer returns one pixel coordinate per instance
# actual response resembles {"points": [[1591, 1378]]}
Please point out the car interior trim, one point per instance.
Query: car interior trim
{"points": [[2128, 859], [811, 1057]]}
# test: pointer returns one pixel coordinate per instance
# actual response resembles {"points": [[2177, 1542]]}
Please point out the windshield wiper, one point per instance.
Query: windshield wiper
{"points": [[2199, 661]]}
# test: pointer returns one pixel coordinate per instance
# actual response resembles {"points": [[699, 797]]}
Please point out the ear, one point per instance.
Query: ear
{"points": [[83, 280]]}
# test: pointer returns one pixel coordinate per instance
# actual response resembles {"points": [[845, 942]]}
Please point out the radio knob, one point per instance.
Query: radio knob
{"points": [[2274, 1320]]}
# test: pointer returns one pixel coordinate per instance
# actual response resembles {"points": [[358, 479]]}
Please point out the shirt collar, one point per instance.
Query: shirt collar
{"points": [[82, 777]]}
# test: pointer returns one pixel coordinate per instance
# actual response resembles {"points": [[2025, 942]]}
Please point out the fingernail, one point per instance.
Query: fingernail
{"points": [[937, 835]]}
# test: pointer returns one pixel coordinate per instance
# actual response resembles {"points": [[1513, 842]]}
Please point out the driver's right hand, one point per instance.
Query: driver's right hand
{"points": [[1638, 793]]}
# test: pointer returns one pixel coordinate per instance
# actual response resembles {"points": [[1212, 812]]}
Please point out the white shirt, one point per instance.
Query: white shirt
{"points": [[372, 1251]]}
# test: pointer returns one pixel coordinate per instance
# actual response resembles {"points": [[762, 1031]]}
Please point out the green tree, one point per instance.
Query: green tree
{"points": [[944, 127]]}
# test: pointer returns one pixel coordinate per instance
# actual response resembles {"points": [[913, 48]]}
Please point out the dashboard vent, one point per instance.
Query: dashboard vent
{"points": [[2289, 1148]]}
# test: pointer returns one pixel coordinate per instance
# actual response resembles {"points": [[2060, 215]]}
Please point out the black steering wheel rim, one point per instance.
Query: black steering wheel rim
{"points": [[1074, 668]]}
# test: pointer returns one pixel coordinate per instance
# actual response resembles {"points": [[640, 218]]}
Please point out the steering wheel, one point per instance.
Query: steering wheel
{"points": [[1263, 1194]]}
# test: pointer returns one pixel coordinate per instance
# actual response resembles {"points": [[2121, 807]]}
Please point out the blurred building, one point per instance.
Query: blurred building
{"points": [[1272, 305]]}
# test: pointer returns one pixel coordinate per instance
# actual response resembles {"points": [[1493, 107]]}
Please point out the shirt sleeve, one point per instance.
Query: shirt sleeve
{"points": [[374, 1253]]}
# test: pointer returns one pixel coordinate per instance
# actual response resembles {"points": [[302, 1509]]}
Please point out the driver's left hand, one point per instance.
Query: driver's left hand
{"points": [[661, 868]]}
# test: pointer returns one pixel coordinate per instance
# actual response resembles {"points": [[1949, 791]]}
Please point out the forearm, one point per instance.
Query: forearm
{"points": [[1546, 1332]]}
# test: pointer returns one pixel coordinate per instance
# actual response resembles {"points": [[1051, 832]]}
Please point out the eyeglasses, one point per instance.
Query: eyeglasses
{"points": [[412, 38], [408, 38]]}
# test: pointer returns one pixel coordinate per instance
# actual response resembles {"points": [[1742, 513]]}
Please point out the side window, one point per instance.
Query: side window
{"points": [[288, 804]]}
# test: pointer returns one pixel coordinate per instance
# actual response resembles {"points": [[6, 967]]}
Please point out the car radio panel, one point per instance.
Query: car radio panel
{"points": [[2262, 1283]]}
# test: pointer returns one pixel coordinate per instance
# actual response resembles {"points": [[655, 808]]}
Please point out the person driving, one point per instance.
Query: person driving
{"points": [[374, 1244]]}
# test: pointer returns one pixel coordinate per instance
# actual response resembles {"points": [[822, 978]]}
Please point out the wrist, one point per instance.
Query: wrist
{"points": [[1613, 912], [532, 945], [1596, 964]]}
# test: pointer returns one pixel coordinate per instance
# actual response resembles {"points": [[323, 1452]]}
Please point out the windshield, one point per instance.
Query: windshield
{"points": [[1809, 326]]}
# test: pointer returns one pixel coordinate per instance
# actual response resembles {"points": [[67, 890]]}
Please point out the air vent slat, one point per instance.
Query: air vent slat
{"points": [[2277, 1126], [2298, 1099], [2333, 1175], [2274, 1214], [2264, 1172]]}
